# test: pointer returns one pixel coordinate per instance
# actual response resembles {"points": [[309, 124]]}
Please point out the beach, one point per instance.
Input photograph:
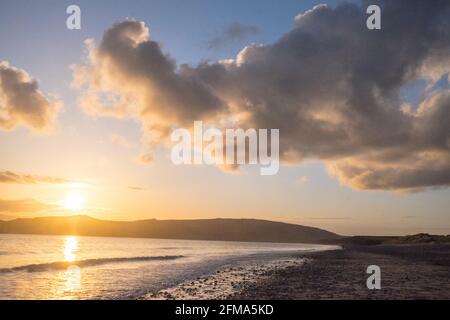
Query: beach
{"points": [[407, 272], [79, 267], [69, 267]]}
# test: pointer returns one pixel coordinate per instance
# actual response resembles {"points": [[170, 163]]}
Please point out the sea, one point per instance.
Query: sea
{"points": [[80, 267]]}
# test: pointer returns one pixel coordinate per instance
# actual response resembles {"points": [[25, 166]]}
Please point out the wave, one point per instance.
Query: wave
{"points": [[61, 265]]}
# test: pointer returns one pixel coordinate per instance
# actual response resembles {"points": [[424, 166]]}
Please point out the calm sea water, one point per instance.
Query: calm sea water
{"points": [[73, 267]]}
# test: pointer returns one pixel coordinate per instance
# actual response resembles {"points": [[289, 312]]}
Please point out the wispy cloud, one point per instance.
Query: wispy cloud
{"points": [[231, 35], [137, 188], [22, 178], [24, 205], [330, 218], [303, 180], [119, 140], [145, 159]]}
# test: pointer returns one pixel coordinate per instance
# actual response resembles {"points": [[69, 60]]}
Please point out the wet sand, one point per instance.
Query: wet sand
{"points": [[226, 282], [407, 272]]}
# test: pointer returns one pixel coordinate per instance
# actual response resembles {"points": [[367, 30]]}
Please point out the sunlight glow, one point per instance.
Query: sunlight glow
{"points": [[74, 202]]}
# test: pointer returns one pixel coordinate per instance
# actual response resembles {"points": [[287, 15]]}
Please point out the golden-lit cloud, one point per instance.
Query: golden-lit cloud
{"points": [[128, 75], [119, 140], [23, 178], [145, 158], [137, 188], [22, 103], [32, 179], [330, 85], [24, 205]]}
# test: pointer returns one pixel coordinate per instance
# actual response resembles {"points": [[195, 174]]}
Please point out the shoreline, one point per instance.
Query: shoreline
{"points": [[235, 276], [407, 272], [226, 281]]}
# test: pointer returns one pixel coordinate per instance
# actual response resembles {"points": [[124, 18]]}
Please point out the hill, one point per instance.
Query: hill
{"points": [[421, 238], [211, 229]]}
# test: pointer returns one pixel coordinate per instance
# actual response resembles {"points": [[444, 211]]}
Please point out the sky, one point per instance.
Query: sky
{"points": [[363, 115]]}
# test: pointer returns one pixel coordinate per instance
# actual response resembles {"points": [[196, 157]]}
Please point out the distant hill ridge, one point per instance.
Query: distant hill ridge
{"points": [[420, 238], [209, 229]]}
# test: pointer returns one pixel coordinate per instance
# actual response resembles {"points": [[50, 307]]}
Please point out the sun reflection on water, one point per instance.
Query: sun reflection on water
{"points": [[72, 281], [70, 249], [72, 276]]}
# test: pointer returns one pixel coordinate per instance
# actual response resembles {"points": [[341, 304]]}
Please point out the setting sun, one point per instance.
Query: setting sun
{"points": [[74, 202], [184, 153]]}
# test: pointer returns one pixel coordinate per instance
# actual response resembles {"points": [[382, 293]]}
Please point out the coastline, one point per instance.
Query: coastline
{"points": [[226, 282], [407, 272]]}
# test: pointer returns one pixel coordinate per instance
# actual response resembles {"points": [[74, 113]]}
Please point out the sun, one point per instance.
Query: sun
{"points": [[74, 202]]}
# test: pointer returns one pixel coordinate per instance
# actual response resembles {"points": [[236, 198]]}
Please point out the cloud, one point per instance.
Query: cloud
{"points": [[137, 188], [24, 205], [329, 218], [231, 34], [330, 85], [119, 140], [22, 103], [20, 178], [302, 180], [145, 158], [129, 75]]}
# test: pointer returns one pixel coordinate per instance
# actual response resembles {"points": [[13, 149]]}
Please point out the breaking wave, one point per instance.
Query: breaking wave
{"points": [[61, 265]]}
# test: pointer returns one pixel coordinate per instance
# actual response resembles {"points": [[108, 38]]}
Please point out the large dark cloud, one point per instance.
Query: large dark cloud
{"points": [[22, 103], [330, 85]]}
